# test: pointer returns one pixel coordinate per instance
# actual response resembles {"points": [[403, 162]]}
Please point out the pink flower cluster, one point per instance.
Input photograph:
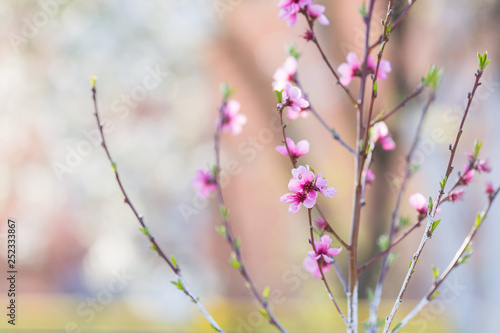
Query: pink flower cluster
{"points": [[204, 183], [289, 10], [380, 133], [296, 151], [297, 105], [323, 256], [352, 68], [285, 73], [305, 186], [231, 120]]}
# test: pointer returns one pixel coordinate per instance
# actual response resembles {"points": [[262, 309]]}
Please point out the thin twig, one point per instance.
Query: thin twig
{"points": [[395, 213], [231, 240], [432, 213], [280, 109], [455, 262], [401, 105], [181, 282], [334, 133], [352, 293], [395, 23], [385, 39], [328, 290], [310, 21]]}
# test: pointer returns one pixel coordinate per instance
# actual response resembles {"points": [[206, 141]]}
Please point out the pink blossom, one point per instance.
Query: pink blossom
{"points": [[369, 176], [352, 68], [483, 166], [383, 69], [489, 188], [285, 73], [290, 10], [295, 199], [456, 195], [380, 133], [232, 121], [305, 186], [316, 12], [323, 251], [296, 151], [327, 191], [467, 175], [292, 97], [321, 224], [419, 202], [204, 183], [313, 266]]}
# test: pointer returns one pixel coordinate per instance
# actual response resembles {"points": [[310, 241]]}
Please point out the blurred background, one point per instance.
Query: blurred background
{"points": [[83, 264]]}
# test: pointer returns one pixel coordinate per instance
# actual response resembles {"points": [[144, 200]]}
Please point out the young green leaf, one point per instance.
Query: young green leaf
{"points": [[152, 246], [233, 261], [173, 260], [404, 221], [237, 243], [226, 91], [435, 272], [477, 148], [145, 231], [362, 10], [221, 230], [431, 205], [434, 295], [279, 95], [293, 51], [479, 219], [264, 313], [434, 225], [224, 212], [383, 242], [266, 293]]}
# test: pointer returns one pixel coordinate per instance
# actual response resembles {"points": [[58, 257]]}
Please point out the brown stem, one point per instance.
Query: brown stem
{"points": [[181, 281], [395, 213], [401, 105], [428, 233], [280, 109], [335, 135], [327, 62], [455, 262], [231, 240]]}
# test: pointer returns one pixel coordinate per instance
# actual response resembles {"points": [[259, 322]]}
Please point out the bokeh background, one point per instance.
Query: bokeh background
{"points": [[84, 265]]}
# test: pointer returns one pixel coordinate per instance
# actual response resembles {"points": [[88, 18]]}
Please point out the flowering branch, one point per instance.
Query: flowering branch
{"points": [[385, 39], [334, 133], [395, 213], [431, 223], [280, 107], [234, 244], [328, 290], [460, 258], [181, 282]]}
